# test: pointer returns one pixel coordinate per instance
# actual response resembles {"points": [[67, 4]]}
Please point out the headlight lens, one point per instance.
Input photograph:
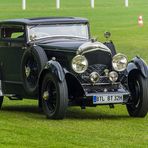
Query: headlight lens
{"points": [[79, 64], [119, 62]]}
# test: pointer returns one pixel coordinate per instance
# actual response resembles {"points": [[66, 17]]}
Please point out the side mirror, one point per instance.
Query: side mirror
{"points": [[107, 35]]}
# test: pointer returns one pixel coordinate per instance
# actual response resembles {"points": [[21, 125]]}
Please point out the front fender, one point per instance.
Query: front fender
{"points": [[55, 68], [138, 63]]}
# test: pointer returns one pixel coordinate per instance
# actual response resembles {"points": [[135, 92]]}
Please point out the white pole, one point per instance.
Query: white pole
{"points": [[92, 3], [58, 4], [24, 4], [126, 3]]}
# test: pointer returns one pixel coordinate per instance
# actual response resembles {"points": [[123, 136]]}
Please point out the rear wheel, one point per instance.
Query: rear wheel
{"points": [[1, 101], [54, 97], [138, 105]]}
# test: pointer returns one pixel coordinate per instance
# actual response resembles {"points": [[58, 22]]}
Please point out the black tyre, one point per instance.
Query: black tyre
{"points": [[54, 97], [1, 101], [111, 46], [33, 61], [138, 105]]}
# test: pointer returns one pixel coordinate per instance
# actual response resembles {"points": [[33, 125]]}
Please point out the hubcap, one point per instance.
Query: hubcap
{"points": [[45, 95], [49, 95], [27, 71], [31, 71]]}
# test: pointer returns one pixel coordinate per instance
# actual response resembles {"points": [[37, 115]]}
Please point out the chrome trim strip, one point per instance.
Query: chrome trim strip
{"points": [[95, 49], [109, 93], [92, 46]]}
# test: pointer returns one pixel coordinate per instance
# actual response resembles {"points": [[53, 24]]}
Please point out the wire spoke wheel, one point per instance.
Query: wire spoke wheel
{"points": [[135, 92], [31, 71], [138, 104], [50, 96], [54, 97]]}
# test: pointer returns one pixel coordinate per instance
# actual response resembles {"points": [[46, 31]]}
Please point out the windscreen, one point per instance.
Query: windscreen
{"points": [[58, 30]]}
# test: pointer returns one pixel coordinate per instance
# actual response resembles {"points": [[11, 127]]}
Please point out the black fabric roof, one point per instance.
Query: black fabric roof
{"points": [[45, 20]]}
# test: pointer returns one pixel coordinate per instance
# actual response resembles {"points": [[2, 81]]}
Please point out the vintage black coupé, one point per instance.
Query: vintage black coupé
{"points": [[56, 61]]}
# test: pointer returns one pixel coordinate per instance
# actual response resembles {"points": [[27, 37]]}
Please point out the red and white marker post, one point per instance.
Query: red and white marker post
{"points": [[140, 20]]}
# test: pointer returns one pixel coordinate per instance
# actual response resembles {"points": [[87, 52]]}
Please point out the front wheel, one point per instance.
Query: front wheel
{"points": [[138, 105], [54, 97]]}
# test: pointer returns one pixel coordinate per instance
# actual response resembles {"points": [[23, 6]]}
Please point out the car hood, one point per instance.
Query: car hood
{"points": [[65, 50], [77, 46], [66, 45]]}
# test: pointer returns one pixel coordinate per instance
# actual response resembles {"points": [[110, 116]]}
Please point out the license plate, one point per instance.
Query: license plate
{"points": [[106, 99]]}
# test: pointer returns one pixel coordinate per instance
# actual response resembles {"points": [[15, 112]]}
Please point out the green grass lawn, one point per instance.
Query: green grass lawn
{"points": [[22, 125]]}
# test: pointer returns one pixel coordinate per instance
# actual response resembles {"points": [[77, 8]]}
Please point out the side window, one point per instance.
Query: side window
{"points": [[16, 35], [11, 33]]}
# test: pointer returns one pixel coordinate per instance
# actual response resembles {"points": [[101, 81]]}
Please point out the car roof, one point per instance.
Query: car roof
{"points": [[45, 20]]}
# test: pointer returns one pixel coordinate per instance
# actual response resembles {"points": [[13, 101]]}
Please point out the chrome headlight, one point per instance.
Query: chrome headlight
{"points": [[79, 64], [113, 76], [94, 77], [119, 62]]}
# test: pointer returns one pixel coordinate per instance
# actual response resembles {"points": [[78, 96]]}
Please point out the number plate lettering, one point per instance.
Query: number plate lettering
{"points": [[106, 99]]}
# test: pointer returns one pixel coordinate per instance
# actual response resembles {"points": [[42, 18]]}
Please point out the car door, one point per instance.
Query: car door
{"points": [[12, 42]]}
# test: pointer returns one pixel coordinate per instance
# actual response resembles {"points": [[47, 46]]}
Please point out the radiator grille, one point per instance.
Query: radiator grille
{"points": [[99, 68]]}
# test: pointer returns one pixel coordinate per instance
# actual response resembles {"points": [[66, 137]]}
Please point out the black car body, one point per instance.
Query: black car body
{"points": [[55, 60]]}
